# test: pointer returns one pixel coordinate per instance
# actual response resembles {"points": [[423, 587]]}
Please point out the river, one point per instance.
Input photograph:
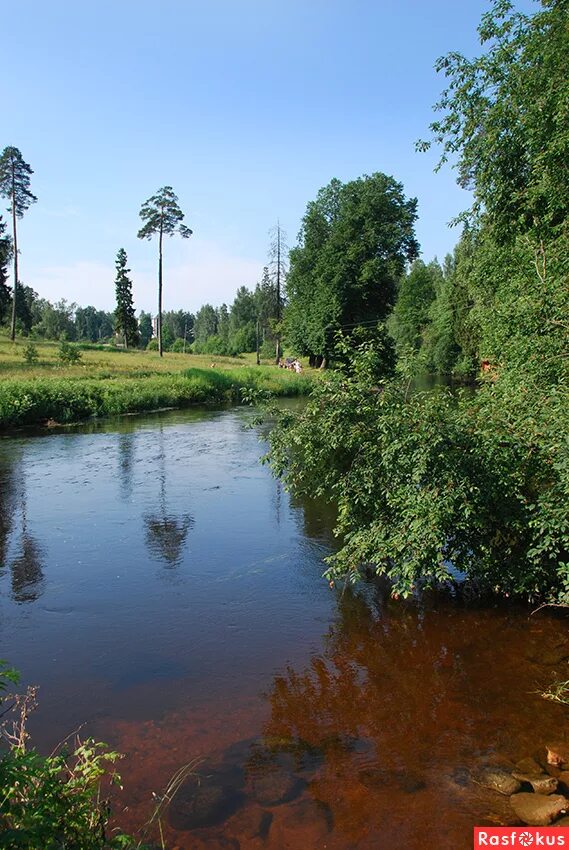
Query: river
{"points": [[165, 594]]}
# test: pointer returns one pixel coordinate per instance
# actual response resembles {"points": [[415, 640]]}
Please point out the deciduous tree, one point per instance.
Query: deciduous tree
{"points": [[354, 243], [145, 328]]}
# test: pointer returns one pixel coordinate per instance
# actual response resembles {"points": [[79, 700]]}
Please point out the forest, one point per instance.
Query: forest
{"points": [[432, 487]]}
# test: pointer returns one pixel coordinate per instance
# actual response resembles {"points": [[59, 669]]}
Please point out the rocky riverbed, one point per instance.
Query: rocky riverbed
{"points": [[537, 785]]}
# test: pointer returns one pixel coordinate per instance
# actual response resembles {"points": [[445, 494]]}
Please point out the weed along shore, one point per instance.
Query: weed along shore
{"points": [[111, 383]]}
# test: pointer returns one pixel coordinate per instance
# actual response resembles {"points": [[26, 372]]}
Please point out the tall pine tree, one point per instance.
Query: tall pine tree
{"points": [[162, 216], [5, 254], [125, 319], [15, 185]]}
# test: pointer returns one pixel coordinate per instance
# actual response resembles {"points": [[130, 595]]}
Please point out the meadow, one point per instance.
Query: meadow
{"points": [[108, 382]]}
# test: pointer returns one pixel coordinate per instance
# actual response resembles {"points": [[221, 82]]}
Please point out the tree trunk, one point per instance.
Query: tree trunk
{"points": [[160, 292], [15, 292], [278, 350]]}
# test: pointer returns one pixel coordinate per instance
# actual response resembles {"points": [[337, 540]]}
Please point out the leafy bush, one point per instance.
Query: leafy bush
{"points": [[180, 346], [30, 354], [433, 485], [152, 345], [68, 353], [53, 802], [213, 345]]}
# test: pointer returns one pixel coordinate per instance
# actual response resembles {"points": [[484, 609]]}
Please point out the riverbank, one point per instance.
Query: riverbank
{"points": [[110, 383]]}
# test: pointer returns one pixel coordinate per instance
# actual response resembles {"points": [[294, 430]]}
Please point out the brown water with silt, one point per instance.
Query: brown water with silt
{"points": [[166, 593]]}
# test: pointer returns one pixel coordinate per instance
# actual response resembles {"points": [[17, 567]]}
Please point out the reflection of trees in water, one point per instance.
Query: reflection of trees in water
{"points": [[25, 567], [318, 518], [126, 465], [27, 574], [166, 535], [166, 532], [8, 502], [392, 686]]}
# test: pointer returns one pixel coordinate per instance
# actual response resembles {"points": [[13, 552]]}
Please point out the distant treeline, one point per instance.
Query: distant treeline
{"points": [[224, 330]]}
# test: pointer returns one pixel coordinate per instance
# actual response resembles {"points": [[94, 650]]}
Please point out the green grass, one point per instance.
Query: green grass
{"points": [[108, 383]]}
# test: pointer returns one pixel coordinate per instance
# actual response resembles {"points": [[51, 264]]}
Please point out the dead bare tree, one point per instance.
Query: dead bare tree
{"points": [[278, 266]]}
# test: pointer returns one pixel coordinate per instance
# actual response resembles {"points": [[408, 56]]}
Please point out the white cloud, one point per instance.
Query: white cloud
{"points": [[192, 277]]}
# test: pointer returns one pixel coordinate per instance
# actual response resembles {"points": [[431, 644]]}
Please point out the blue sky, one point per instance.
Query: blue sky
{"points": [[245, 108]]}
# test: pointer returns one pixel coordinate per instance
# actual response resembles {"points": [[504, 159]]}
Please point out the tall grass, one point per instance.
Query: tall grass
{"points": [[33, 401], [103, 361]]}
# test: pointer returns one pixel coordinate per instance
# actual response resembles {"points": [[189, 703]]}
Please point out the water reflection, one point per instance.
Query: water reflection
{"points": [[8, 501], [27, 573], [166, 532], [25, 562], [126, 459], [398, 705]]}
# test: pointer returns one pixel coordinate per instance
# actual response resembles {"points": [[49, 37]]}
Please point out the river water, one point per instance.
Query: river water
{"points": [[166, 595]]}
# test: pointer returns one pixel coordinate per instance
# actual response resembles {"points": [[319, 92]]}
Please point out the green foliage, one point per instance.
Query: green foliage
{"points": [[243, 339], [179, 345], [152, 345], [15, 186], [440, 351], [227, 332], [53, 320], [92, 325], [15, 180], [145, 328], [30, 354], [179, 323], [205, 325], [125, 319], [31, 402], [53, 802], [5, 256], [505, 120], [161, 215], [7, 674], [267, 307], [411, 315], [167, 338], [435, 486], [429, 485], [354, 242], [68, 353], [212, 345]]}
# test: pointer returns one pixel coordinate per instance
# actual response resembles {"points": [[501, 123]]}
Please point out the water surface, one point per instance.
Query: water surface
{"points": [[163, 590]]}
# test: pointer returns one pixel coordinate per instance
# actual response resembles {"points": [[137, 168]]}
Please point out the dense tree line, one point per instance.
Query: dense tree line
{"points": [[354, 243], [433, 485], [251, 322]]}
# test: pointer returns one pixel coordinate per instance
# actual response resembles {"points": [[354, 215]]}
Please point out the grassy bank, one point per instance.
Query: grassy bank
{"points": [[109, 383]]}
